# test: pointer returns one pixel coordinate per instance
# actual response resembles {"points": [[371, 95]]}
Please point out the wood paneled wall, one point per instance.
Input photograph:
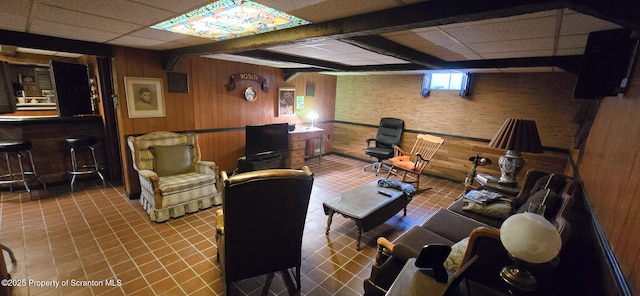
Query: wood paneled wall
{"points": [[217, 115], [610, 169]]}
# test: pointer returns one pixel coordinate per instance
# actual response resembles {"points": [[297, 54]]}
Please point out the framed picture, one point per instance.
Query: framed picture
{"points": [[144, 97], [286, 101]]}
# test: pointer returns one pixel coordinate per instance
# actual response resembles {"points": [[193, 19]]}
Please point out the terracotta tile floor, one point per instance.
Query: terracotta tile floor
{"points": [[97, 234]]}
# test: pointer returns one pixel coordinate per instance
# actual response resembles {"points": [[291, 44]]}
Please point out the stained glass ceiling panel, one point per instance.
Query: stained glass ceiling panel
{"points": [[226, 19]]}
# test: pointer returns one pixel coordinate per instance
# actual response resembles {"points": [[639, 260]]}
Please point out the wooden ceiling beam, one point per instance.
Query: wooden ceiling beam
{"points": [[384, 46]]}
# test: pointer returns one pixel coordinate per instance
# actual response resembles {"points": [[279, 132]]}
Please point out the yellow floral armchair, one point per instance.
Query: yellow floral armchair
{"points": [[173, 179]]}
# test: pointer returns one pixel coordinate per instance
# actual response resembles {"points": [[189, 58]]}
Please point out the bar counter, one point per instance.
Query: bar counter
{"points": [[50, 151]]}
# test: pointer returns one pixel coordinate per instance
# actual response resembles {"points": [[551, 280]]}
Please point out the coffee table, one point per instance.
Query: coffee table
{"points": [[366, 206]]}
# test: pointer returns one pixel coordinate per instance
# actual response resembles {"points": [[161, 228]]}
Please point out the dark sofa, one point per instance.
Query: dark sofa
{"points": [[452, 225]]}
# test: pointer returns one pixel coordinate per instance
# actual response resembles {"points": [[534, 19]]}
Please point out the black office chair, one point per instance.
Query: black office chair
{"points": [[389, 134]]}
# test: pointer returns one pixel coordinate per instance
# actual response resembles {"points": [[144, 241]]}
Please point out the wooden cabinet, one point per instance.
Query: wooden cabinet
{"points": [[302, 145]]}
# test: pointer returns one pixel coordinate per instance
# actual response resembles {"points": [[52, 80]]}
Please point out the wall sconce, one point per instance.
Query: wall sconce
{"points": [[313, 115], [531, 238]]}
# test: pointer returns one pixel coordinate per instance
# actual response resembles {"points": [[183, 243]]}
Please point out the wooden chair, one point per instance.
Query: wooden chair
{"points": [[414, 162]]}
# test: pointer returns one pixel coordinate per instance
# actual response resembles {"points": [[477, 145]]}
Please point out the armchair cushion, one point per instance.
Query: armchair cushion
{"points": [[184, 182], [454, 260], [171, 160]]}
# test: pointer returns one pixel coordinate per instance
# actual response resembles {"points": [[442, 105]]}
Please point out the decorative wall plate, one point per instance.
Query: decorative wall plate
{"points": [[250, 94]]}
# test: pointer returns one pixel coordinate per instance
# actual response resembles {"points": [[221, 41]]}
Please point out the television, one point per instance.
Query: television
{"points": [[71, 85], [606, 64], [266, 140]]}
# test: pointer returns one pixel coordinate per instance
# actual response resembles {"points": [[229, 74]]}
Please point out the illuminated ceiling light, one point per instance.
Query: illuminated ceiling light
{"points": [[226, 19]]}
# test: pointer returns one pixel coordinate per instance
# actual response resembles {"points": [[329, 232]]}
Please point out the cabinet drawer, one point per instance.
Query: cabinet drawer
{"points": [[297, 145], [296, 153], [313, 135], [297, 162], [296, 137]]}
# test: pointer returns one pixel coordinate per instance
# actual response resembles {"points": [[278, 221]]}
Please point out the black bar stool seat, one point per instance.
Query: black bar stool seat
{"points": [[82, 142], [19, 148]]}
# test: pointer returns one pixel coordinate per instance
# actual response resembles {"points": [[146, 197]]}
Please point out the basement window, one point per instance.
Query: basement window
{"points": [[446, 81]]}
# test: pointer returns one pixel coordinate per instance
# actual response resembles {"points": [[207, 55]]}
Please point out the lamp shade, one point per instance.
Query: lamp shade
{"points": [[519, 135], [530, 237]]}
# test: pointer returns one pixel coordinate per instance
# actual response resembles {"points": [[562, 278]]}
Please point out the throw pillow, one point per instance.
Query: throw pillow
{"points": [[171, 160], [457, 254], [553, 202], [497, 209]]}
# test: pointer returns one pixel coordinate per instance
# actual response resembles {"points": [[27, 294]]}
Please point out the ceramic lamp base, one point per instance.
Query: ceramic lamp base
{"points": [[510, 166]]}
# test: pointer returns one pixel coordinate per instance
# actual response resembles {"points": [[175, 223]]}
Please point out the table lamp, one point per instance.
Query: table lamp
{"points": [[530, 238], [515, 135], [313, 115]]}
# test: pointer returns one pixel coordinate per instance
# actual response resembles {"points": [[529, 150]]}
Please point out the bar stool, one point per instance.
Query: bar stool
{"points": [[81, 142], [18, 148]]}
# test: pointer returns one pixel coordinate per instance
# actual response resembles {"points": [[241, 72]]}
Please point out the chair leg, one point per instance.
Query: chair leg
{"points": [[375, 165], [267, 284], [96, 166]]}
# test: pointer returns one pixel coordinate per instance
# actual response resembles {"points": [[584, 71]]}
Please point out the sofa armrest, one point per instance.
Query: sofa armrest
{"points": [[148, 174], [385, 247]]}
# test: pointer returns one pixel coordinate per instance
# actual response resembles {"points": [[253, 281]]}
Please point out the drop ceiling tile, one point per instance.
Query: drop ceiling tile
{"points": [[512, 45], [423, 39], [180, 7], [444, 50], [570, 51], [452, 57], [583, 24], [412, 31], [517, 54], [305, 51], [333, 9], [249, 60], [512, 30], [13, 22], [43, 27], [132, 12], [16, 7], [156, 34], [81, 20], [140, 42], [573, 41], [338, 46], [515, 18], [190, 40]]}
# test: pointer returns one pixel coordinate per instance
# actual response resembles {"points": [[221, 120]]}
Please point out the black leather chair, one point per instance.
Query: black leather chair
{"points": [[259, 228], [389, 134]]}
